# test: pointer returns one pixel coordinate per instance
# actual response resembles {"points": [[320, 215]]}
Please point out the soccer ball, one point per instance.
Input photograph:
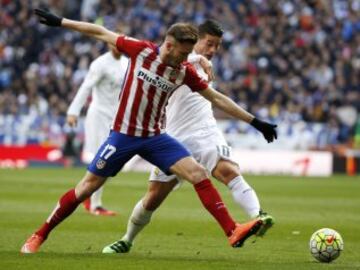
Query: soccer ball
{"points": [[326, 245]]}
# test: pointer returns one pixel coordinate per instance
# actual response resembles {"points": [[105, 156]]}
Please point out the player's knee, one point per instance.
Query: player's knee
{"points": [[197, 174], [83, 191], [225, 172], [87, 186], [190, 170]]}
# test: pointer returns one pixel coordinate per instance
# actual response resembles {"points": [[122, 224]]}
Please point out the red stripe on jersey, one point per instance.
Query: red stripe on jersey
{"points": [[138, 96], [163, 98], [159, 125], [149, 107], [124, 96], [193, 80], [163, 115]]}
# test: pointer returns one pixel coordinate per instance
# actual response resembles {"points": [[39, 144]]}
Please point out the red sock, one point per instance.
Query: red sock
{"points": [[212, 201], [66, 205]]}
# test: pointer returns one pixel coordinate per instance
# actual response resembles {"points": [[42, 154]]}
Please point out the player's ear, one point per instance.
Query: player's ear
{"points": [[168, 45]]}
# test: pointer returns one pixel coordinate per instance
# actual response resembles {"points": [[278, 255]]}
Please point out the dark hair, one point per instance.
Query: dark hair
{"points": [[210, 27], [183, 32]]}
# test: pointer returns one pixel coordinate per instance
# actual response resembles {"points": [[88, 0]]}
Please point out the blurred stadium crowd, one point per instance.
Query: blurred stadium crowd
{"points": [[294, 62]]}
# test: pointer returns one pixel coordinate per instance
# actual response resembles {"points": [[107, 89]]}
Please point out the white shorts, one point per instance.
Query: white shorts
{"points": [[207, 146], [97, 129]]}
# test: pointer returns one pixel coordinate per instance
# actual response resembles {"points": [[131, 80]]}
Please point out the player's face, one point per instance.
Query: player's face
{"points": [[179, 53], [208, 45]]}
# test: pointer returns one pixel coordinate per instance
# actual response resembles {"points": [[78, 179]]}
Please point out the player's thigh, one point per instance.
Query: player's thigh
{"points": [[157, 175], [188, 168], [163, 151], [97, 129], [113, 154], [173, 158], [215, 155], [222, 164]]}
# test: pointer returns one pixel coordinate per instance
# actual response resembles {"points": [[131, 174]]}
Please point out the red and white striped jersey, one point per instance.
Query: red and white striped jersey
{"points": [[148, 85]]}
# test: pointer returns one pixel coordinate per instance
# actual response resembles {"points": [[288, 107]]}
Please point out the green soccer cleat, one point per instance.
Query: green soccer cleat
{"points": [[120, 246], [267, 222]]}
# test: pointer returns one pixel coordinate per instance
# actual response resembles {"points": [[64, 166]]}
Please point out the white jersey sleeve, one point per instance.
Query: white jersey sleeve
{"points": [[91, 79], [188, 111], [194, 58]]}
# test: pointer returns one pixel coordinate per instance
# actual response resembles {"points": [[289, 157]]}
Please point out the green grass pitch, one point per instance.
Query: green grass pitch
{"points": [[182, 235]]}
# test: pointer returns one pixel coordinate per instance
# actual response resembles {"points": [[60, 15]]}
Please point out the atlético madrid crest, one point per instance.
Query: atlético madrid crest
{"points": [[100, 164]]}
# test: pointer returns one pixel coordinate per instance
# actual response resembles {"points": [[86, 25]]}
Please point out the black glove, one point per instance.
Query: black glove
{"points": [[48, 18], [268, 130]]}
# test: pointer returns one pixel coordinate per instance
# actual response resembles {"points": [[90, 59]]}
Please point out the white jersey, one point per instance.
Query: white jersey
{"points": [[188, 111], [103, 82]]}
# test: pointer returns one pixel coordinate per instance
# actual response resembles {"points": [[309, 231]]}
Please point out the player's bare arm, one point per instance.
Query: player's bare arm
{"points": [[230, 107], [226, 104], [89, 29]]}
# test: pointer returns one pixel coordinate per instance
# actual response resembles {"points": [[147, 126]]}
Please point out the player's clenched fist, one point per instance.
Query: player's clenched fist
{"points": [[267, 129], [48, 18], [72, 120]]}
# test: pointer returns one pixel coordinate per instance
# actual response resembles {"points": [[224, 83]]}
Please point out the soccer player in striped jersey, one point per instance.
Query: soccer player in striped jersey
{"points": [[153, 74], [103, 83], [191, 121]]}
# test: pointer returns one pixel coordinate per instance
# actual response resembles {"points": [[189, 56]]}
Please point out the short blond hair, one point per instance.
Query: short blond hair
{"points": [[183, 32]]}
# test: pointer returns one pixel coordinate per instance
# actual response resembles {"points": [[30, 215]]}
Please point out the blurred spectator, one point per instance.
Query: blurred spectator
{"points": [[71, 149]]}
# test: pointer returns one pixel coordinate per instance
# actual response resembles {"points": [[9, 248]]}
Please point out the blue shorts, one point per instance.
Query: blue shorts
{"points": [[162, 151]]}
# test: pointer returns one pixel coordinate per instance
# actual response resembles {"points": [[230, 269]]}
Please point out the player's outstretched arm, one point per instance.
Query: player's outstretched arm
{"points": [[89, 29], [226, 104], [230, 107]]}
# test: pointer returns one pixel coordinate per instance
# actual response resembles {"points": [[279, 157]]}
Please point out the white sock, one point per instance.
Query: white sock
{"points": [[95, 199], [139, 218], [244, 196]]}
